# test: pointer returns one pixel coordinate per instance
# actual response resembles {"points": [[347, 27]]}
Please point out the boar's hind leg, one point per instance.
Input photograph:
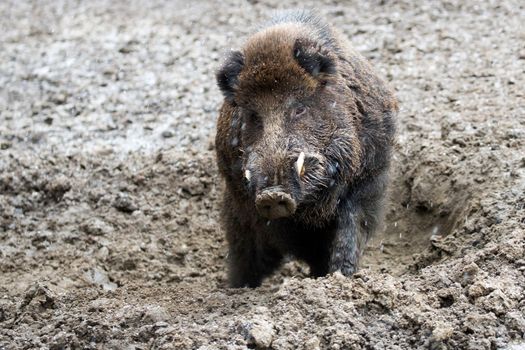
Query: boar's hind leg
{"points": [[250, 264], [359, 216]]}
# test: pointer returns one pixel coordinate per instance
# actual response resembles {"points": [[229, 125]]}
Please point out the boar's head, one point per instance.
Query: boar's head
{"points": [[296, 137]]}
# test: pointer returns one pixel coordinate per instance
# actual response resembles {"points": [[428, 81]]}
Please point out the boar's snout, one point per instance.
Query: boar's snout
{"points": [[274, 203]]}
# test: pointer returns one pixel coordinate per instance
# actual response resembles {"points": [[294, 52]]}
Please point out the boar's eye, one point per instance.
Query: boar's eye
{"points": [[251, 117], [299, 111]]}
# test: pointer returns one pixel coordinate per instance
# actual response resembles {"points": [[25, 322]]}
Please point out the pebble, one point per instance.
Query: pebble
{"points": [[259, 333], [154, 314], [96, 227], [167, 134], [100, 277], [124, 203]]}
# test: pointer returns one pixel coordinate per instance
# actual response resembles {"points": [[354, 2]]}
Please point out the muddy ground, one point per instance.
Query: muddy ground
{"points": [[109, 235]]}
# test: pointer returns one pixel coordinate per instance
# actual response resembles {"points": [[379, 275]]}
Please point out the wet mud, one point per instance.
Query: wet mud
{"points": [[109, 193]]}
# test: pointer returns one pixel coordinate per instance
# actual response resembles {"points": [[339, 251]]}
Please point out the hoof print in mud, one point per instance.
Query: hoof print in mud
{"points": [[303, 139]]}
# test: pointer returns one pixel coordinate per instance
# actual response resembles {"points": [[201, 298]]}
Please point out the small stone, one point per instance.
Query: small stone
{"points": [[102, 150], [161, 324], [153, 314], [57, 187], [124, 203], [479, 288], [442, 331], [128, 47], [467, 275], [194, 137], [312, 344], [59, 99], [99, 304], [167, 134], [96, 227], [102, 253], [181, 250], [193, 185], [100, 277], [36, 137], [259, 333]]}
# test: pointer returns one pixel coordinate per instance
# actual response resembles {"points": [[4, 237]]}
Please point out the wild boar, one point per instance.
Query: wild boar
{"points": [[303, 142]]}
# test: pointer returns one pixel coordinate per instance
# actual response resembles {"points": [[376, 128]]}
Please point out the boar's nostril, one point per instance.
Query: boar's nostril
{"points": [[273, 204]]}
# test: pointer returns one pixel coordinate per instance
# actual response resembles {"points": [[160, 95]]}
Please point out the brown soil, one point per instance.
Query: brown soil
{"points": [[109, 235]]}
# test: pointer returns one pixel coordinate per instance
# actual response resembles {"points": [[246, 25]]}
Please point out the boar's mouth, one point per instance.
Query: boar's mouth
{"points": [[274, 200], [274, 203]]}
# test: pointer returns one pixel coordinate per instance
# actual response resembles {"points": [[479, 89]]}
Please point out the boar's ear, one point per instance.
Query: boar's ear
{"points": [[313, 58], [228, 74]]}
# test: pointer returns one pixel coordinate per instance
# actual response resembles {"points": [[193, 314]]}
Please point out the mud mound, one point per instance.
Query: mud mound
{"points": [[109, 234]]}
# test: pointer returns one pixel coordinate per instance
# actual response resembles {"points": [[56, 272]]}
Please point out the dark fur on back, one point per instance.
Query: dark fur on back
{"points": [[297, 87], [318, 28]]}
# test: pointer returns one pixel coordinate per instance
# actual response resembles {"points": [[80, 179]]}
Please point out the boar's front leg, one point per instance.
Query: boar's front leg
{"points": [[250, 259], [345, 251], [250, 263], [359, 215]]}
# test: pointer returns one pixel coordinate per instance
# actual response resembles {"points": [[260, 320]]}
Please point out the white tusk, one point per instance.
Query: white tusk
{"points": [[247, 175], [299, 165]]}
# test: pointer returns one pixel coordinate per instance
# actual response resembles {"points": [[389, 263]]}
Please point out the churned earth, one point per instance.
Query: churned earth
{"points": [[109, 234]]}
